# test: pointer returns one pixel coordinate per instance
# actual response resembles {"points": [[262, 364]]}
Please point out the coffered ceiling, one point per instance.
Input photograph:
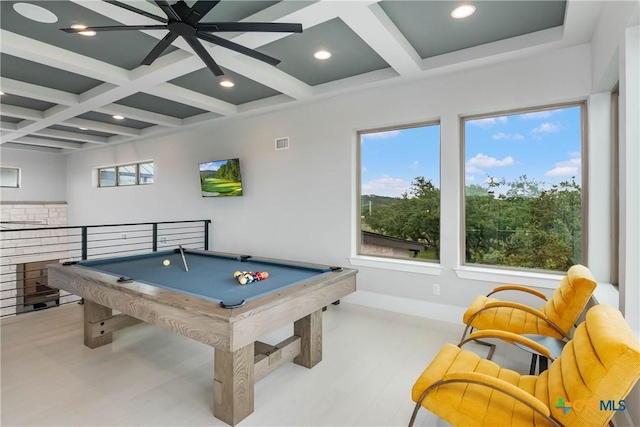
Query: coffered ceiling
{"points": [[62, 90]]}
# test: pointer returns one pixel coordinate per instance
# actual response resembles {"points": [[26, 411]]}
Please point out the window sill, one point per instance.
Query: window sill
{"points": [[397, 265], [487, 274]]}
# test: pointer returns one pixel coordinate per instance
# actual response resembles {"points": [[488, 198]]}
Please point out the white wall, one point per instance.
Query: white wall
{"points": [[43, 176], [299, 204]]}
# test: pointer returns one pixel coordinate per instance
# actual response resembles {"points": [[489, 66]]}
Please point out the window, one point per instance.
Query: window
{"points": [[125, 175], [107, 177], [145, 173], [523, 186], [400, 192], [9, 177]]}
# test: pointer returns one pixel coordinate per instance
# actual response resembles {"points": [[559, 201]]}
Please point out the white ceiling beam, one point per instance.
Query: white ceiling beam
{"points": [[21, 112], [53, 56], [192, 98], [141, 115], [101, 127], [24, 147], [43, 142], [373, 26], [72, 136], [42, 93]]}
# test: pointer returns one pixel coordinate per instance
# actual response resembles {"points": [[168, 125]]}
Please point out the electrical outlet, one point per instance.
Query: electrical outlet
{"points": [[436, 289], [123, 236], [162, 240]]}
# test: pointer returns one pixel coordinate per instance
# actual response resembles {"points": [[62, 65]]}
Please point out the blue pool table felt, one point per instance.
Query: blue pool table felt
{"points": [[210, 276]]}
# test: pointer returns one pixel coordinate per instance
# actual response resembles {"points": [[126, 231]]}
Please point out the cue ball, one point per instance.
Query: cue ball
{"points": [[166, 262]]}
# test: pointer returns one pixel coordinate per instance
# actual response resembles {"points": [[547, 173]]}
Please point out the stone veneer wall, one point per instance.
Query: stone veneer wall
{"points": [[23, 244]]}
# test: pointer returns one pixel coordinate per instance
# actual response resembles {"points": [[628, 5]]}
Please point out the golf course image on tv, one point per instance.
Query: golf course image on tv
{"points": [[221, 178]]}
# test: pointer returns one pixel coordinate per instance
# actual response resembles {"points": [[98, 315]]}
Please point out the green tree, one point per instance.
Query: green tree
{"points": [[230, 171], [414, 216]]}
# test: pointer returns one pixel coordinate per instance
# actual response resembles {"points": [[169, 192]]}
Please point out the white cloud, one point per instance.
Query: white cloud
{"points": [[386, 186], [537, 115], [473, 169], [569, 167], [469, 178], [380, 135], [415, 164], [488, 122], [484, 161], [364, 169], [512, 136], [562, 171], [546, 127]]}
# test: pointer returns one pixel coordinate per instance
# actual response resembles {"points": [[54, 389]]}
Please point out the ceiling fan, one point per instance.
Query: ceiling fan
{"points": [[184, 21]]}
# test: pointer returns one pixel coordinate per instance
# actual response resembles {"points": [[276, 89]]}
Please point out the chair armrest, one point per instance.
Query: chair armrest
{"points": [[518, 306], [500, 385], [518, 288], [511, 338]]}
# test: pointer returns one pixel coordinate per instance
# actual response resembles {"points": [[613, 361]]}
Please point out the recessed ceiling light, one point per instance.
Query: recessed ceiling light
{"points": [[118, 117], [84, 33], [35, 13], [463, 11], [322, 54], [1, 93], [227, 83], [83, 128]]}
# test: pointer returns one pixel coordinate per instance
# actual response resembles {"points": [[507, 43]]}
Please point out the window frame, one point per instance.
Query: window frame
{"points": [[584, 190], [116, 169], [392, 262]]}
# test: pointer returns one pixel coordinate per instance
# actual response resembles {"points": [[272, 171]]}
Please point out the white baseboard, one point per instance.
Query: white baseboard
{"points": [[429, 310]]}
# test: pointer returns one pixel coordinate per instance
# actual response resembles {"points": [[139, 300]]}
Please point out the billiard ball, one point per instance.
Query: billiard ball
{"points": [[259, 275], [166, 262], [236, 274], [265, 275], [242, 280]]}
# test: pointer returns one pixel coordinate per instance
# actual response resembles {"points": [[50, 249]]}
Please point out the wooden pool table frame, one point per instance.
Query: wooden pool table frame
{"points": [[239, 359]]}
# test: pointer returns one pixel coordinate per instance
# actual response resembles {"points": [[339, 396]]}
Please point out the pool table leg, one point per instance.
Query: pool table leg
{"points": [[309, 329], [94, 313], [233, 384]]}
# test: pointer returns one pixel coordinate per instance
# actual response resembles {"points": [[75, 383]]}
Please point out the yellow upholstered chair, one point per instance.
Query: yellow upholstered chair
{"points": [[583, 387], [555, 319]]}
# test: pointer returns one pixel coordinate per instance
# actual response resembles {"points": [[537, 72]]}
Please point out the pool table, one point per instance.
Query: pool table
{"points": [[200, 298]]}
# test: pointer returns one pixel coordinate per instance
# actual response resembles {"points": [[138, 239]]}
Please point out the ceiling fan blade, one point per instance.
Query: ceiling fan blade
{"points": [[238, 48], [136, 10], [159, 48], [267, 27], [199, 10], [166, 8], [115, 28], [203, 54]]}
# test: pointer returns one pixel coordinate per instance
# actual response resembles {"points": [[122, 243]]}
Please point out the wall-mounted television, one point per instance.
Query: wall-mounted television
{"points": [[220, 178]]}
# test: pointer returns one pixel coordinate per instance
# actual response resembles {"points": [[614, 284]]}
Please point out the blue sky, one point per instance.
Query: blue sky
{"points": [[543, 145], [212, 166]]}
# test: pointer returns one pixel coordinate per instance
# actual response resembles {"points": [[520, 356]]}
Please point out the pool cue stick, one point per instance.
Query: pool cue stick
{"points": [[184, 260]]}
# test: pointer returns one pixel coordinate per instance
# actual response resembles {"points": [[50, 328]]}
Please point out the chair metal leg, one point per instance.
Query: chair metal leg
{"points": [[417, 407], [532, 369]]}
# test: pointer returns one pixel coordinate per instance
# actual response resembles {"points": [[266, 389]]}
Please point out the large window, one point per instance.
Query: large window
{"points": [[124, 175], [400, 192], [523, 188]]}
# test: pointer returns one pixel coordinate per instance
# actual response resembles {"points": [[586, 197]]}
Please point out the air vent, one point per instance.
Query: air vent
{"points": [[282, 143]]}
